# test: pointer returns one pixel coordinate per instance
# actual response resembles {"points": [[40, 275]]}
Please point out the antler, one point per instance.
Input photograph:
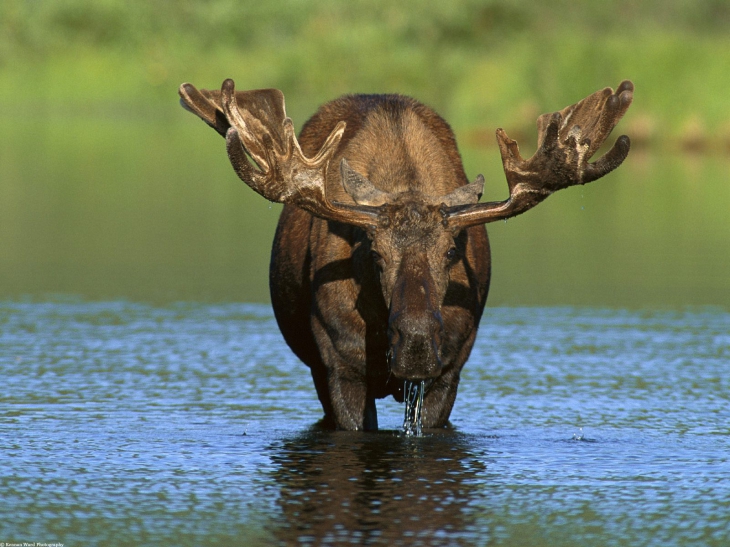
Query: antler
{"points": [[254, 124], [567, 140]]}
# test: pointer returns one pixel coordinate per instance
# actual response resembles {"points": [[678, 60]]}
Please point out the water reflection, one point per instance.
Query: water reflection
{"points": [[153, 212], [121, 425], [337, 487]]}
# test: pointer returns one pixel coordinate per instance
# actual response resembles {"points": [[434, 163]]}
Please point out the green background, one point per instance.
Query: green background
{"points": [[108, 189]]}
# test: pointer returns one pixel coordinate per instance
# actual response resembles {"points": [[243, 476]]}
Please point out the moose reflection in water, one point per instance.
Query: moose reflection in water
{"points": [[336, 487], [380, 266]]}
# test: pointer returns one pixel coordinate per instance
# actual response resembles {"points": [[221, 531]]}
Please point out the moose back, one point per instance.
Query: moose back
{"points": [[380, 265]]}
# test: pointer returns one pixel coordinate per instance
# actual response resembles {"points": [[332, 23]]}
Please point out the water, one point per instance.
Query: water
{"points": [[413, 395], [190, 424], [146, 207]]}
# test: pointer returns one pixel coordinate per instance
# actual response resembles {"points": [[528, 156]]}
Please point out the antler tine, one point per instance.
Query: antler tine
{"points": [[202, 105], [567, 140]]}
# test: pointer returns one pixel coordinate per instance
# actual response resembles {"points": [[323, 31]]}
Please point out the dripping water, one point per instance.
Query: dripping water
{"points": [[413, 395]]}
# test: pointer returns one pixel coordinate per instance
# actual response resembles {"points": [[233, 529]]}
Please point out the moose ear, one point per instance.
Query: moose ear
{"points": [[468, 194], [359, 188]]}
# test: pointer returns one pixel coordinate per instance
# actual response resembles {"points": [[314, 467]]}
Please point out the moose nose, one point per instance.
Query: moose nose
{"points": [[415, 345], [428, 326]]}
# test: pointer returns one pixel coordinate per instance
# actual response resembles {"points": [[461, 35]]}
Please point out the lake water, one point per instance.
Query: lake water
{"points": [[145, 206], [193, 424]]}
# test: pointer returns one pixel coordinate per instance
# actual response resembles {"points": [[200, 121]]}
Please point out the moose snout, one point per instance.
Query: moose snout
{"points": [[415, 345]]}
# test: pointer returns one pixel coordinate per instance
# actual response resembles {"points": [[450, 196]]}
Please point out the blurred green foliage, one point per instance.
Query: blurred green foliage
{"points": [[108, 188], [42, 26], [481, 63]]}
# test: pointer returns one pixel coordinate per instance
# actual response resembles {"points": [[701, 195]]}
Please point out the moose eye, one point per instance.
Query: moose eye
{"points": [[376, 257], [451, 254]]}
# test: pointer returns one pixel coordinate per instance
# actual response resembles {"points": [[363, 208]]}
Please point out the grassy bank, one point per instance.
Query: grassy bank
{"points": [[482, 64]]}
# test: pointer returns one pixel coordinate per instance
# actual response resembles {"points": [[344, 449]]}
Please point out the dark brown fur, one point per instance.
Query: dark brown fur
{"points": [[325, 288]]}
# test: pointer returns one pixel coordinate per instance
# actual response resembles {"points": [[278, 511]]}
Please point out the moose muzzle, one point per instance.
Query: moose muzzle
{"points": [[415, 344]]}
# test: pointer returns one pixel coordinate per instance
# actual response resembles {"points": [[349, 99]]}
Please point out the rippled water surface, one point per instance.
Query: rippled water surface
{"points": [[126, 424]]}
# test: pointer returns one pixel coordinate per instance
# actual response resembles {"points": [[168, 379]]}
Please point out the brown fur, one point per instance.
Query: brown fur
{"points": [[328, 297]]}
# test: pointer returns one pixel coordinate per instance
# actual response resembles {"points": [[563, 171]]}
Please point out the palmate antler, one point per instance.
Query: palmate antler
{"points": [[567, 140], [255, 123]]}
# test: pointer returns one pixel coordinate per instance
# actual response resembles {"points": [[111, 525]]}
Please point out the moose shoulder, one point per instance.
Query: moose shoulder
{"points": [[380, 265]]}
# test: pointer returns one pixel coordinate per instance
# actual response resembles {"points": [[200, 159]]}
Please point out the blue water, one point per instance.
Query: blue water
{"points": [[128, 424]]}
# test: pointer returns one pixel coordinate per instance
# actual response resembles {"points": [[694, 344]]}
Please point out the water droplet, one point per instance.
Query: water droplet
{"points": [[413, 392]]}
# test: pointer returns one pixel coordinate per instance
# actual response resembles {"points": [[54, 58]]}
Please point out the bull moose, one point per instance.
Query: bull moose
{"points": [[380, 264]]}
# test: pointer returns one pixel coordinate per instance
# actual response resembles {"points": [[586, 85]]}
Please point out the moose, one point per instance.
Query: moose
{"points": [[380, 265]]}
